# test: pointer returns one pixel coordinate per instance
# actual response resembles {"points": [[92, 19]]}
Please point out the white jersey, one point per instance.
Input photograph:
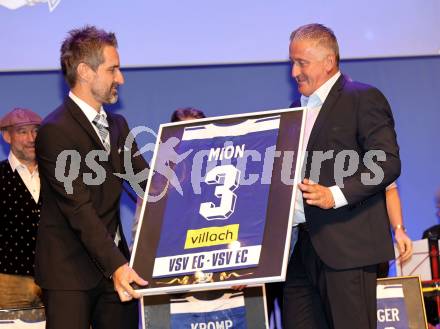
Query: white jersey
{"points": [[226, 312]]}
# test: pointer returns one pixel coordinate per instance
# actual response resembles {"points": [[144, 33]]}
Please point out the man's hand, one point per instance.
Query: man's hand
{"points": [[404, 244], [316, 195], [122, 277]]}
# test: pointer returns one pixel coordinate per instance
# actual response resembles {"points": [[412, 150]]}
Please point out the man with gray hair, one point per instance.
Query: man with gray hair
{"points": [[20, 205], [81, 259], [341, 216]]}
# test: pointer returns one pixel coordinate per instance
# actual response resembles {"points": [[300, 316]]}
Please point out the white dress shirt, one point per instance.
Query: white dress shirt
{"points": [[30, 179], [313, 103], [90, 113]]}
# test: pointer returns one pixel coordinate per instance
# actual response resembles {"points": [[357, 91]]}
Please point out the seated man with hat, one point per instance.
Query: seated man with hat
{"points": [[19, 210]]}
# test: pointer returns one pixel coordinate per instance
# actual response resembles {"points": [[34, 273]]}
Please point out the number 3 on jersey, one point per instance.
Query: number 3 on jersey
{"points": [[229, 178]]}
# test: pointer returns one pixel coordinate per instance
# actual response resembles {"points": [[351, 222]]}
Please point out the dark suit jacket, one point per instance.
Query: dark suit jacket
{"points": [[354, 117], [75, 244]]}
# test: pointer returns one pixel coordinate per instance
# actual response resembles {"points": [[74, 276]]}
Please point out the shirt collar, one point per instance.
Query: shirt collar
{"points": [[16, 164], [88, 111], [318, 97]]}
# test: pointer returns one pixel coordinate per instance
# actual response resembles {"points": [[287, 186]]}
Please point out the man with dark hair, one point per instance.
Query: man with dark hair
{"points": [[433, 232], [81, 257], [187, 113], [20, 205], [84, 46], [342, 221]]}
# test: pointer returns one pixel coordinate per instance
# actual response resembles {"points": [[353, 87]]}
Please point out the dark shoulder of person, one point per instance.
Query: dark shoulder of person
{"points": [[4, 168], [432, 233]]}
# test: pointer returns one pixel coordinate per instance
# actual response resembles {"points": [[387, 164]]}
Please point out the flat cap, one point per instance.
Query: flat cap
{"points": [[20, 117]]}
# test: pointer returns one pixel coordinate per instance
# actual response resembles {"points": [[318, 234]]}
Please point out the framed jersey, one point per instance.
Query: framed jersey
{"points": [[400, 303], [206, 309], [218, 203]]}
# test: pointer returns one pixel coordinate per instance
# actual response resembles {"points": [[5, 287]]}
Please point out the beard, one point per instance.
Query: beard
{"points": [[106, 95], [26, 154]]}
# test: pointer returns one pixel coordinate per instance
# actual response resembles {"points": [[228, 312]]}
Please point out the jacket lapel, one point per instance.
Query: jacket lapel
{"points": [[325, 110], [80, 117], [114, 145]]}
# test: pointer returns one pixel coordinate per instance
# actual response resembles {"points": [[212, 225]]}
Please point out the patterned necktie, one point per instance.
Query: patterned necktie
{"points": [[101, 123]]}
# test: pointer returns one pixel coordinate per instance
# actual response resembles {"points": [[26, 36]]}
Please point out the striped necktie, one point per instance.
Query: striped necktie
{"points": [[101, 123]]}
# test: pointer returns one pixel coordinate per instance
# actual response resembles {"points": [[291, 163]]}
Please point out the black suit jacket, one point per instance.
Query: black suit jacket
{"points": [[75, 244], [353, 117]]}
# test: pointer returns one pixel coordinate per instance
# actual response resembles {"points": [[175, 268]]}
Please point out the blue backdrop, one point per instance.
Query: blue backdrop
{"points": [[193, 32], [150, 95]]}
